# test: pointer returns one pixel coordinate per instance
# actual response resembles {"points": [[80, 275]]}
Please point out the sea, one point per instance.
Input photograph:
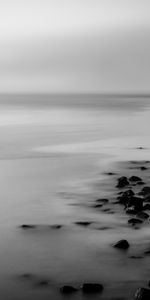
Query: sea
{"points": [[55, 151]]}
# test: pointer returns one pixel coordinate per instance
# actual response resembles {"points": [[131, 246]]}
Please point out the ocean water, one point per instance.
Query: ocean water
{"points": [[54, 151]]}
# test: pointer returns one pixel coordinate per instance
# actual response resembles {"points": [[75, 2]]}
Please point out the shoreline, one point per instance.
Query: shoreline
{"points": [[95, 260]]}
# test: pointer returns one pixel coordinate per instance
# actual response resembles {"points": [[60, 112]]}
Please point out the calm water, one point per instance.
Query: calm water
{"points": [[53, 151]]}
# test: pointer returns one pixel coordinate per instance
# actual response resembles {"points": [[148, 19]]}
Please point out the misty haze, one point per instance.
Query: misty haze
{"points": [[74, 149]]}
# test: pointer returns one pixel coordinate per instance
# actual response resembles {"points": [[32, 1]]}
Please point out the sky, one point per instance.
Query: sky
{"points": [[100, 46]]}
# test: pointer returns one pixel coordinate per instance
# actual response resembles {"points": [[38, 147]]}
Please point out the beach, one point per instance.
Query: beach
{"points": [[56, 156]]}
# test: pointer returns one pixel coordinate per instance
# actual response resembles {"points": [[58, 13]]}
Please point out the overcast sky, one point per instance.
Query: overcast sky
{"points": [[75, 45]]}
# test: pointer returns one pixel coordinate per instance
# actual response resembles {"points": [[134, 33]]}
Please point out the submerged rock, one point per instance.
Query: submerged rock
{"points": [[136, 256], [57, 226], [147, 198], [122, 244], [68, 289], [28, 226], [122, 182], [125, 197], [143, 168], [142, 294], [135, 178], [136, 202], [97, 205], [102, 201], [134, 221], [89, 288], [131, 210], [26, 276], [146, 206], [83, 223], [147, 252], [145, 191], [142, 215], [110, 173], [140, 182], [43, 283]]}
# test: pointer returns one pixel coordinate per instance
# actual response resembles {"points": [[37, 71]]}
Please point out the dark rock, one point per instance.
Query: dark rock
{"points": [[136, 256], [142, 215], [110, 173], [135, 178], [147, 198], [143, 168], [136, 202], [147, 252], [28, 226], [146, 206], [68, 289], [106, 210], [140, 148], [131, 210], [104, 228], [134, 221], [82, 223], [122, 244], [26, 276], [142, 294], [90, 288], [103, 201], [140, 183], [145, 191], [43, 283], [125, 197], [122, 182], [97, 205], [128, 193], [57, 226]]}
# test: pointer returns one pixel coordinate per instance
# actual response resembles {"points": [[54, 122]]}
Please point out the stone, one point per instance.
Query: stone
{"points": [[43, 283], [90, 288], [143, 168], [28, 226], [122, 244], [136, 202], [142, 215], [68, 289], [146, 206], [83, 223], [147, 252], [140, 183], [110, 173], [26, 276], [134, 221], [135, 178], [131, 210], [103, 200], [136, 256], [122, 182], [147, 198], [97, 205], [57, 226], [142, 294], [145, 191], [125, 197]]}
